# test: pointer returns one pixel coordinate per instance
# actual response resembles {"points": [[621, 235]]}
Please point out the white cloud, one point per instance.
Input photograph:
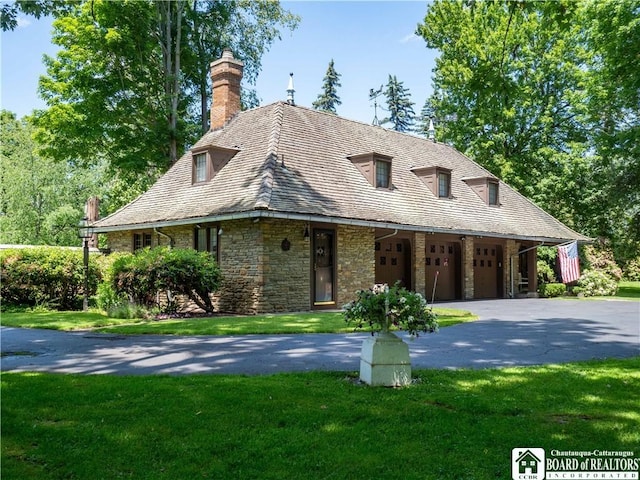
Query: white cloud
{"points": [[412, 37], [23, 22]]}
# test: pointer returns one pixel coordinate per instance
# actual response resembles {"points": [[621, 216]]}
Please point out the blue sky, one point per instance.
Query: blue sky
{"points": [[368, 41]]}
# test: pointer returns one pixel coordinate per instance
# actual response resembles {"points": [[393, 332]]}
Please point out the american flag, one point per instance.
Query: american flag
{"points": [[569, 262]]}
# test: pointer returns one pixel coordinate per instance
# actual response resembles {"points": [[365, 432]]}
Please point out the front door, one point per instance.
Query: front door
{"points": [[323, 267]]}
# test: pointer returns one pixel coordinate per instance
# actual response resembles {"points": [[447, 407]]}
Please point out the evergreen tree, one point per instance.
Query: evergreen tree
{"points": [[328, 99], [400, 107], [426, 115]]}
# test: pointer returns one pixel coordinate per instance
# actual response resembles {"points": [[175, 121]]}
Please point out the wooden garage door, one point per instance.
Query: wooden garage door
{"points": [[487, 271], [443, 259], [393, 261]]}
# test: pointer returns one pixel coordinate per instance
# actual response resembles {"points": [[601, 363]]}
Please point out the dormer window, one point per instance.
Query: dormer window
{"points": [[444, 184], [487, 188], [493, 192], [200, 168], [383, 173], [376, 168], [208, 161], [438, 179]]}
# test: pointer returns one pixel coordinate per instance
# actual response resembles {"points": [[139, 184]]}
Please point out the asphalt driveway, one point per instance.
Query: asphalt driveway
{"points": [[508, 333]]}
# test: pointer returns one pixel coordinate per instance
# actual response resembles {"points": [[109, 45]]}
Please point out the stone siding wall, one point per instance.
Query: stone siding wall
{"points": [[287, 282], [241, 262], [467, 268], [120, 241], [356, 267], [511, 264], [419, 260]]}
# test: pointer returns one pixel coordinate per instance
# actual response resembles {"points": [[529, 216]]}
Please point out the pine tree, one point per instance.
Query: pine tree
{"points": [[423, 120], [400, 107], [328, 99]]}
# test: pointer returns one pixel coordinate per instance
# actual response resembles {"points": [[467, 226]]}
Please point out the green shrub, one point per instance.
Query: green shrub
{"points": [[174, 271], [129, 311], [549, 290], [597, 283], [632, 270], [545, 273], [577, 291], [599, 256], [46, 276], [107, 298]]}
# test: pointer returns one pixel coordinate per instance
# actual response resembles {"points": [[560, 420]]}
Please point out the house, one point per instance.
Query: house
{"points": [[528, 463], [302, 208]]}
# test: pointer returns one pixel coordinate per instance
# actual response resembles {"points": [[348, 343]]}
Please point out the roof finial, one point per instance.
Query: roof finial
{"points": [[373, 95], [432, 131], [290, 91]]}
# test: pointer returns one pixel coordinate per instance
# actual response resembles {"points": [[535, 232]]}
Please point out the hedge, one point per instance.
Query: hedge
{"points": [[46, 276]]}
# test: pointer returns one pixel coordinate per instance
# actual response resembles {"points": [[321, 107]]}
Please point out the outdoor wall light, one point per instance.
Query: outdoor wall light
{"points": [[305, 235]]}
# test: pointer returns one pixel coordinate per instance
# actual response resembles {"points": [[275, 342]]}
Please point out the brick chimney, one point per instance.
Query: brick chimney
{"points": [[226, 74]]}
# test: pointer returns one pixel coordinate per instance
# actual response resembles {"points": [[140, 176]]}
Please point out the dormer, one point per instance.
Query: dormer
{"points": [[438, 179], [487, 188], [375, 167], [208, 161]]}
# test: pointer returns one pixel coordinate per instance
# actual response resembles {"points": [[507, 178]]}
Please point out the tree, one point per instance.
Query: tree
{"points": [[399, 105], [123, 83], [425, 118], [511, 74], [42, 201], [37, 8], [543, 95], [329, 98], [614, 106]]}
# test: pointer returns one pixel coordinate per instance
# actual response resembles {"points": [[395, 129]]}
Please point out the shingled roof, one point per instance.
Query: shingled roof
{"points": [[294, 162]]}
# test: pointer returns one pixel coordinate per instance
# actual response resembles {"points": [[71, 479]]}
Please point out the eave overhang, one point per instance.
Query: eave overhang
{"points": [[261, 213]]}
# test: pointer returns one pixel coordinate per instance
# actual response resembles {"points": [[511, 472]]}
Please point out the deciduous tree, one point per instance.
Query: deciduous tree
{"points": [[545, 95], [130, 79], [42, 200]]}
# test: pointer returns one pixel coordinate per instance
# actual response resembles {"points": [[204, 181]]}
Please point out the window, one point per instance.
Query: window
{"points": [[374, 167], [141, 240], [383, 174], [493, 193], [206, 240], [208, 161], [487, 188], [444, 184], [200, 168], [438, 179]]}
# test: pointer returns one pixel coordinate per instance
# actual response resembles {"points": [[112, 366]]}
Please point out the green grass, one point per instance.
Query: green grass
{"points": [[318, 322], [629, 290], [54, 320], [450, 425]]}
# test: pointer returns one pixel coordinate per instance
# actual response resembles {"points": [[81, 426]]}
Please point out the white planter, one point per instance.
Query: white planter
{"points": [[384, 361]]}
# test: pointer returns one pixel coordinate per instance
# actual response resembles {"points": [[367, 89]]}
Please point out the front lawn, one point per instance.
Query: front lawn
{"points": [[316, 322], [448, 425], [629, 290]]}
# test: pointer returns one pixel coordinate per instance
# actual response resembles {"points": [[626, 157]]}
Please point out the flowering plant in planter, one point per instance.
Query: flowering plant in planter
{"points": [[382, 307]]}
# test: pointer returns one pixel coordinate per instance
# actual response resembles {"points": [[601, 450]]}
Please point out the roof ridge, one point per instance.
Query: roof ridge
{"points": [[263, 199]]}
